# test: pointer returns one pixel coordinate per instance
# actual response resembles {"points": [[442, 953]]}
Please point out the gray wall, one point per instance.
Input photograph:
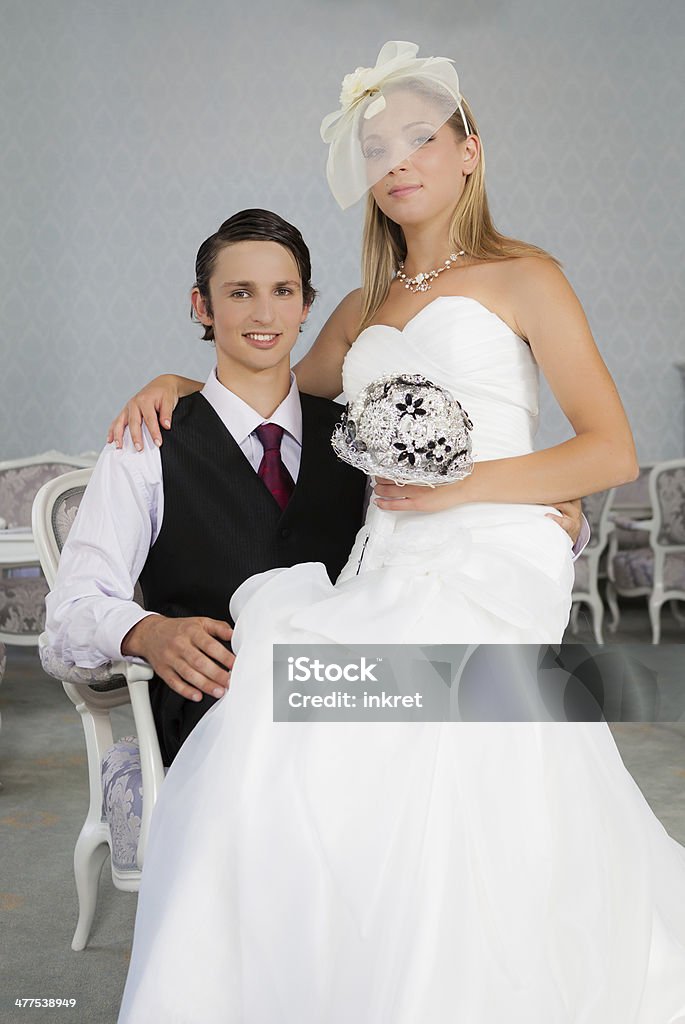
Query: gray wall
{"points": [[129, 130]]}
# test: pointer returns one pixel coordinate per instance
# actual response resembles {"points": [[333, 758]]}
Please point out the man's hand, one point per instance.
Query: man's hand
{"points": [[570, 518], [184, 653]]}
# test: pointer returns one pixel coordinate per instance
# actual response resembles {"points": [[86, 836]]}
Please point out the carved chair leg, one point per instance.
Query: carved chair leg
{"points": [[612, 601], [90, 854], [655, 619]]}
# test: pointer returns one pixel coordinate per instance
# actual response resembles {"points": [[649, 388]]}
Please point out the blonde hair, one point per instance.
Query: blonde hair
{"points": [[471, 229]]}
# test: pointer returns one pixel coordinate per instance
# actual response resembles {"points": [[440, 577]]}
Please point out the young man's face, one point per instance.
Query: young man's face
{"points": [[256, 306]]}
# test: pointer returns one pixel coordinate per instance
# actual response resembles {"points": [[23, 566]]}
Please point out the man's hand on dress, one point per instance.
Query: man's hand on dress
{"points": [[186, 653]]}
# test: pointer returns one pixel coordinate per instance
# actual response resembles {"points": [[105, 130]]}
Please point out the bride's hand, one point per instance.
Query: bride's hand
{"points": [[153, 405], [416, 497]]}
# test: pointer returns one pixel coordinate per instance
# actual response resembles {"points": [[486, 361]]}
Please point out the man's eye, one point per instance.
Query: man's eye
{"points": [[284, 291], [238, 294]]}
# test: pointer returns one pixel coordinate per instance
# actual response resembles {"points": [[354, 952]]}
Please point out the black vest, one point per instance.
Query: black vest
{"points": [[222, 525]]}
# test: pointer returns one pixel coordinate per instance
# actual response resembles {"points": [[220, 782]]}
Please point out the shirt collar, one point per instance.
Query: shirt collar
{"points": [[241, 420]]}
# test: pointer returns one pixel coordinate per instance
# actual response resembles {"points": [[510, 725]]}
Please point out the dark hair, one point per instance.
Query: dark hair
{"points": [[251, 226]]}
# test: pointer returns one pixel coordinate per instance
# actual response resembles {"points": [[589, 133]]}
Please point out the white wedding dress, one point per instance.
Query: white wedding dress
{"points": [[377, 873]]}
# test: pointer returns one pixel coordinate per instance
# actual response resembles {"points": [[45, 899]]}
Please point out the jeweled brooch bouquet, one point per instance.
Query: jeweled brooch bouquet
{"points": [[408, 429]]}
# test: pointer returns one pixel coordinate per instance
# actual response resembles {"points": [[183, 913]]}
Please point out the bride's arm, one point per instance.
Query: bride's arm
{"points": [[318, 373], [602, 453], [153, 405]]}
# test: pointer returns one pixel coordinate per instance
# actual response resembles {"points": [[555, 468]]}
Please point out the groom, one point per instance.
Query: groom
{"points": [[246, 481]]}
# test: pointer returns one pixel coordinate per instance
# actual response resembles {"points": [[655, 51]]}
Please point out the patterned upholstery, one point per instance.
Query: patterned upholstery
{"points": [[64, 514], [122, 800], [670, 486], [635, 568], [23, 591], [22, 604], [19, 486], [99, 679]]}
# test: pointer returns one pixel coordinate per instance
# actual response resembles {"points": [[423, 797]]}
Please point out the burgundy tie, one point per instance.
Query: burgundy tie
{"points": [[271, 469]]}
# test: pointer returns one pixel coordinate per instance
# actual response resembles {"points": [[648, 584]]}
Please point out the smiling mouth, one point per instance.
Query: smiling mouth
{"points": [[403, 190], [262, 340]]}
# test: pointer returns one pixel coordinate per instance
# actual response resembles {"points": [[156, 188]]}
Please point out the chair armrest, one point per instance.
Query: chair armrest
{"points": [[58, 669], [643, 525], [152, 769], [94, 688]]}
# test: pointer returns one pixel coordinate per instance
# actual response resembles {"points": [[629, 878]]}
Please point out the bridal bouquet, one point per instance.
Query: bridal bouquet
{"points": [[408, 429]]}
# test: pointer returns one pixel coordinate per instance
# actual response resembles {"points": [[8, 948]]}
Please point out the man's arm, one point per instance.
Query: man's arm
{"points": [[91, 606], [91, 615]]}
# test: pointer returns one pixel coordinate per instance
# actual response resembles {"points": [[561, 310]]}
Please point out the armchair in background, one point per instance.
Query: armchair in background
{"points": [[655, 569], [22, 584]]}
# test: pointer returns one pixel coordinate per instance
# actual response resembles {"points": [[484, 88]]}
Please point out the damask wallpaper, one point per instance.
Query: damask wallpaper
{"points": [[129, 131]]}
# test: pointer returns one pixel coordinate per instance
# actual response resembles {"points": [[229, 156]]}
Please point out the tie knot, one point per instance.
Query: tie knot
{"points": [[270, 435]]}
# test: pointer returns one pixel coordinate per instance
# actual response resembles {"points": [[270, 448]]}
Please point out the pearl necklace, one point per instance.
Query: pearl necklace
{"points": [[420, 282]]}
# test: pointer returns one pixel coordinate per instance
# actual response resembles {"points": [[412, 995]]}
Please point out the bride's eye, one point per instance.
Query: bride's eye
{"points": [[421, 140], [373, 152]]}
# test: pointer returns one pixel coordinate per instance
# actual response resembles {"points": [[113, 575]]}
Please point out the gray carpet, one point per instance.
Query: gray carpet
{"points": [[43, 803], [44, 800]]}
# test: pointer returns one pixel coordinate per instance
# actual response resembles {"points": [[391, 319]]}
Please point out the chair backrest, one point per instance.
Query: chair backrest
{"points": [[20, 480], [596, 509], [667, 494], [54, 510], [634, 496]]}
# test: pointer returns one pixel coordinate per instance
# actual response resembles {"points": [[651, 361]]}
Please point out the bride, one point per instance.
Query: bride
{"points": [[421, 873]]}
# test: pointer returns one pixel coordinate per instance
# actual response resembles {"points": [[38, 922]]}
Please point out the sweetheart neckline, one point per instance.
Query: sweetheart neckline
{"points": [[467, 298]]}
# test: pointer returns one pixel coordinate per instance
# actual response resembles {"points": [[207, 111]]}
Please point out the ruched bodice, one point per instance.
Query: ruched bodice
{"points": [[458, 343]]}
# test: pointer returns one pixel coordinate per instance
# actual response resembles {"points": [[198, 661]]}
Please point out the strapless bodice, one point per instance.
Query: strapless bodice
{"points": [[458, 343]]}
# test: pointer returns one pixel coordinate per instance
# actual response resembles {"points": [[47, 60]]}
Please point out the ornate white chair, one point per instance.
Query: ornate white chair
{"points": [[596, 509], [124, 777], [655, 569], [22, 585]]}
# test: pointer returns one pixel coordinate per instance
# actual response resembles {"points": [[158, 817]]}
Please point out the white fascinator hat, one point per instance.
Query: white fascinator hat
{"points": [[386, 113]]}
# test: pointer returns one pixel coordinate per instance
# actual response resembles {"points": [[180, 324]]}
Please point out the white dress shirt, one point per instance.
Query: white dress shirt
{"points": [[91, 608]]}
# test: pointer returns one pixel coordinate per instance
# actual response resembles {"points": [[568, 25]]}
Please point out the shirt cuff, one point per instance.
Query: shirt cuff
{"points": [[114, 626], [583, 539]]}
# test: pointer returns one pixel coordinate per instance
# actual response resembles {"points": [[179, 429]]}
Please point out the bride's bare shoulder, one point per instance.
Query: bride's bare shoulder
{"points": [[529, 271]]}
